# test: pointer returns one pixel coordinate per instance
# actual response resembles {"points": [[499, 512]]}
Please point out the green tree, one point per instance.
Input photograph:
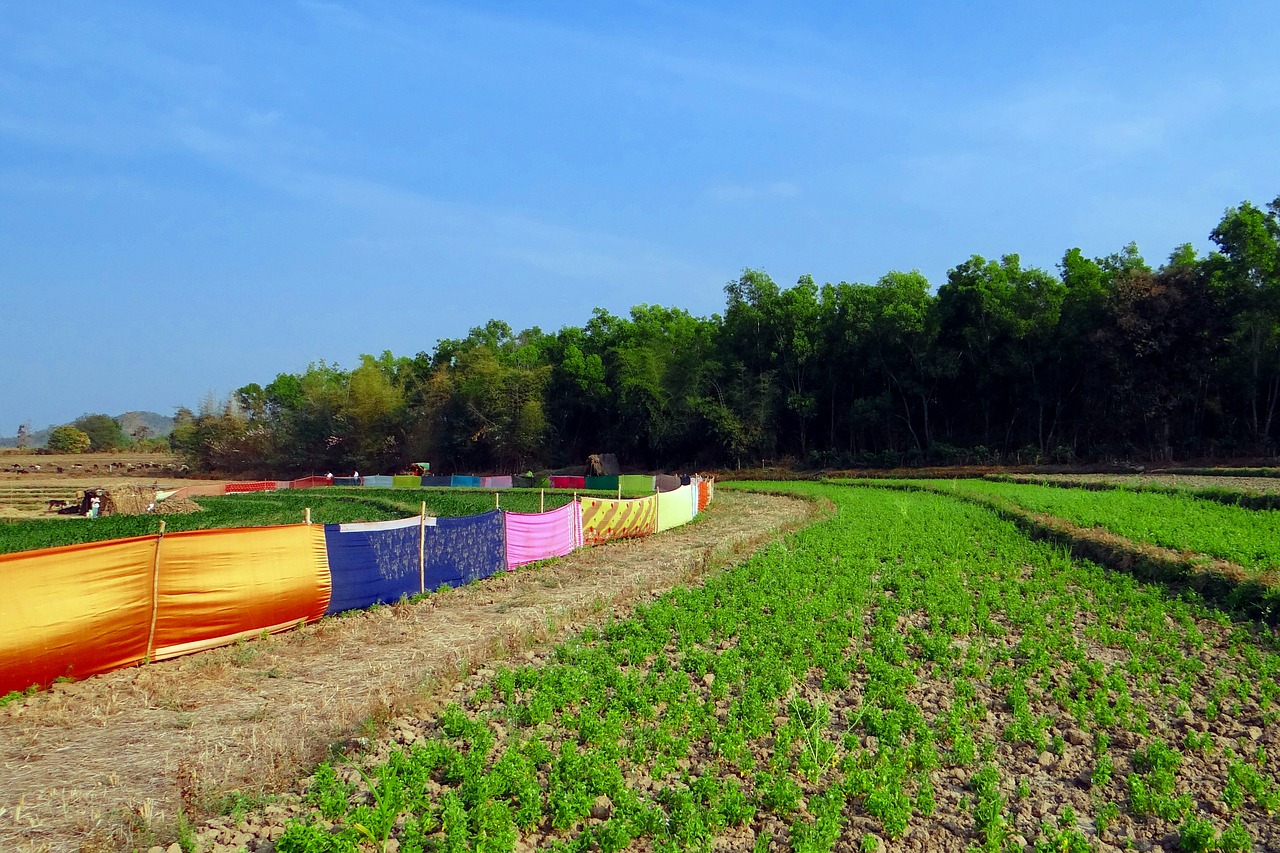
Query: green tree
{"points": [[769, 338], [1085, 372], [656, 366], [481, 400], [994, 321], [221, 438], [68, 439], [1182, 257], [1162, 338], [1107, 358], [304, 419], [182, 436], [895, 330], [103, 430], [374, 408], [738, 409], [1248, 271]]}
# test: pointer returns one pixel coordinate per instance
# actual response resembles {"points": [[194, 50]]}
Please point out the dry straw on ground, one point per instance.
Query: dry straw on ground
{"points": [[103, 764], [129, 499]]}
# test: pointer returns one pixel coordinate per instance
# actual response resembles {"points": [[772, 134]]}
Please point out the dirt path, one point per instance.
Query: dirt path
{"points": [[105, 764]]}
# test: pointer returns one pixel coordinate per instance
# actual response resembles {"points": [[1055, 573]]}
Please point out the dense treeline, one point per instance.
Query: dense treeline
{"points": [[1108, 358]]}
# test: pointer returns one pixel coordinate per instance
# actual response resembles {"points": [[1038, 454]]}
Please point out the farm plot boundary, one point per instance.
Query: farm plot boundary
{"points": [[83, 610]]}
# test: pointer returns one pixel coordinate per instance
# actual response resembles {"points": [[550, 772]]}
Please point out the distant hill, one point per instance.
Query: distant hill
{"points": [[155, 423]]}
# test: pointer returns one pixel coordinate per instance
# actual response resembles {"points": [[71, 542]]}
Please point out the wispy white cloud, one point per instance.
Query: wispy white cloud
{"points": [[406, 219]]}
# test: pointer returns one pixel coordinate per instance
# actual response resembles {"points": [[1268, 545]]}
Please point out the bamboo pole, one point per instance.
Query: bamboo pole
{"points": [[155, 594], [306, 515], [542, 500], [495, 501], [578, 520], [422, 549]]}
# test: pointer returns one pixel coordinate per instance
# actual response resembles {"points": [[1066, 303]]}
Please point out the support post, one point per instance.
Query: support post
{"points": [[155, 594], [422, 549], [542, 500], [306, 515]]}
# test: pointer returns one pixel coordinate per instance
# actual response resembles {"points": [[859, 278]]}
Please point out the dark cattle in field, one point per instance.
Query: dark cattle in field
{"points": [[56, 504]]}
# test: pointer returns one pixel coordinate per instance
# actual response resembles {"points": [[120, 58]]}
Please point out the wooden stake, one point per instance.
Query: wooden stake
{"points": [[306, 515], [542, 500], [155, 594], [422, 549], [495, 501]]}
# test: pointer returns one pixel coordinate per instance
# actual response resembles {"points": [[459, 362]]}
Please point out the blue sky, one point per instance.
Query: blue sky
{"points": [[198, 196]]}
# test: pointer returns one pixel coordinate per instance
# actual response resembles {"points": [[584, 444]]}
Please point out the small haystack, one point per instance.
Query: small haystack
{"points": [[134, 500], [603, 465]]}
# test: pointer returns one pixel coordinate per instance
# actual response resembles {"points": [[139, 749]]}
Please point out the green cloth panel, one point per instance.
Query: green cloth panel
{"points": [[604, 484], [636, 483]]}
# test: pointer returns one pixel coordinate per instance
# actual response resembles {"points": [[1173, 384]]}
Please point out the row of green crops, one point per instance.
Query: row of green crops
{"points": [[913, 663], [1181, 522], [1265, 496], [262, 509]]}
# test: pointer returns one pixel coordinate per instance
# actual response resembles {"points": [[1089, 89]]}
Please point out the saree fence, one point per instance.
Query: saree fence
{"points": [[80, 610], [630, 483]]}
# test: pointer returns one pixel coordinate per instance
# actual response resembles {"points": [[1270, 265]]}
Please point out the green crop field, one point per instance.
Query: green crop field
{"points": [[1183, 522], [912, 671], [1250, 492], [260, 509]]}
